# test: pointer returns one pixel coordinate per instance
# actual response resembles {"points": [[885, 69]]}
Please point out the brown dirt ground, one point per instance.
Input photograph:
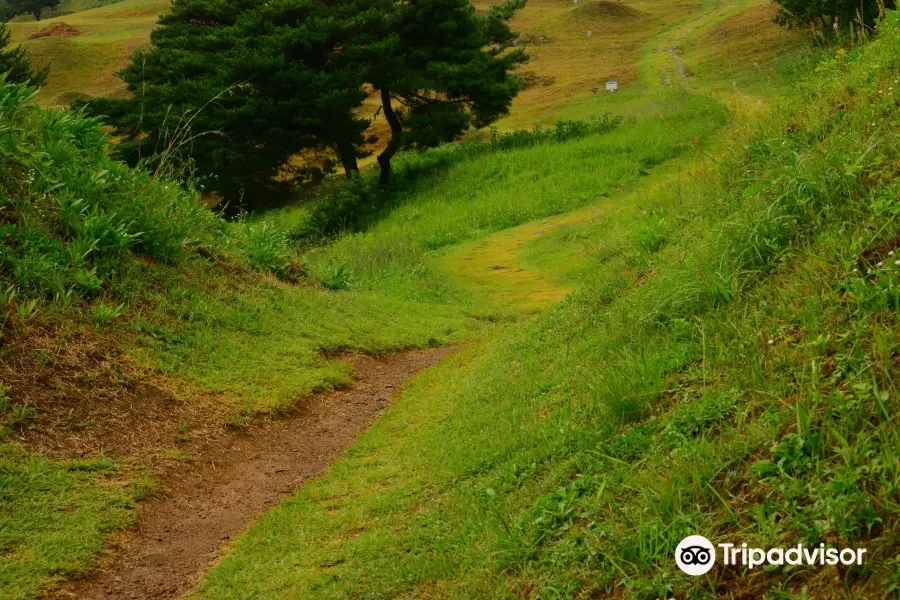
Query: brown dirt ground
{"points": [[56, 30], [234, 477], [86, 397]]}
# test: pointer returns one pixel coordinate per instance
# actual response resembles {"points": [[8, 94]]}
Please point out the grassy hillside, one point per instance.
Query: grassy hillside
{"points": [[678, 309], [725, 366], [565, 65], [113, 281], [121, 288], [85, 64]]}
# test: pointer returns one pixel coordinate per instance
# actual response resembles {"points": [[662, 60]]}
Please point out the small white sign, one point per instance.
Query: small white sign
{"points": [[612, 86], [590, 34]]}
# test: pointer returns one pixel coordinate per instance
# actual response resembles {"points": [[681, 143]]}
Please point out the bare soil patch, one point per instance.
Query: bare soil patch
{"points": [[236, 476], [60, 29], [533, 79], [84, 396]]}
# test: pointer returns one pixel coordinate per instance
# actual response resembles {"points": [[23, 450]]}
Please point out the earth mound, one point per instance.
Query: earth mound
{"points": [[605, 9], [60, 29]]}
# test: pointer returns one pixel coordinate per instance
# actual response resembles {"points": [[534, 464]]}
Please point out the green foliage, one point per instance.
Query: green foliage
{"points": [[104, 314], [237, 89], [341, 205], [230, 93], [16, 65], [446, 66], [267, 248], [827, 13], [35, 8], [563, 131], [72, 215]]}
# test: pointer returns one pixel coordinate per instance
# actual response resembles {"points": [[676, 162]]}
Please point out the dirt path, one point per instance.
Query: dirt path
{"points": [[236, 478]]}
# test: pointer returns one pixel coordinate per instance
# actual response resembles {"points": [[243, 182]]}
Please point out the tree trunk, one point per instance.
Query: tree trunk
{"points": [[347, 154], [384, 159]]}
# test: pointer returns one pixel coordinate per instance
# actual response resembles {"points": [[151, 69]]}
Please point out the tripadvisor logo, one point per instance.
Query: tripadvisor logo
{"points": [[695, 555]]}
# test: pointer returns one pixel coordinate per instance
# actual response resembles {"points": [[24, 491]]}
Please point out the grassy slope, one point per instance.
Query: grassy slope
{"points": [[251, 338], [85, 64], [495, 191], [257, 340], [726, 366], [55, 517], [90, 249]]}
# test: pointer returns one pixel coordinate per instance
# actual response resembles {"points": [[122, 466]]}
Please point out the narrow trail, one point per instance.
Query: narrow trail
{"points": [[492, 264], [235, 479], [673, 39]]}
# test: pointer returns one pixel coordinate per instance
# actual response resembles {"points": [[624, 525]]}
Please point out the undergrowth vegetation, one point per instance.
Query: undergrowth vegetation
{"points": [[86, 237], [345, 207], [727, 367], [482, 187]]}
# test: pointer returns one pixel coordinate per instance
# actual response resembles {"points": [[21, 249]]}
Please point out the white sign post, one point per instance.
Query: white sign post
{"points": [[612, 86]]}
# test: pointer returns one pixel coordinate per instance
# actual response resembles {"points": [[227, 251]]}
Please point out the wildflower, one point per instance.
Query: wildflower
{"points": [[897, 262], [881, 264], [891, 253], [771, 342]]}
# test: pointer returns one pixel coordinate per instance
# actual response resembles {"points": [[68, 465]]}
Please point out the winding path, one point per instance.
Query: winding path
{"points": [[237, 477]]}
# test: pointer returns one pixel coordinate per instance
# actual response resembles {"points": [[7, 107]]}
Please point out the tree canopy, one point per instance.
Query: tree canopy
{"points": [[36, 8], [243, 86], [448, 68], [804, 13], [236, 88]]}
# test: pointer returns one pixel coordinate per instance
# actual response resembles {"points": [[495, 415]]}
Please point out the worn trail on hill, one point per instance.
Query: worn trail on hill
{"points": [[235, 479]]}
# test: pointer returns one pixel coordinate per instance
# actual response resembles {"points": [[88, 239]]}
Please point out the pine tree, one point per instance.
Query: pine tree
{"points": [[448, 68], [16, 65], [241, 86]]}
